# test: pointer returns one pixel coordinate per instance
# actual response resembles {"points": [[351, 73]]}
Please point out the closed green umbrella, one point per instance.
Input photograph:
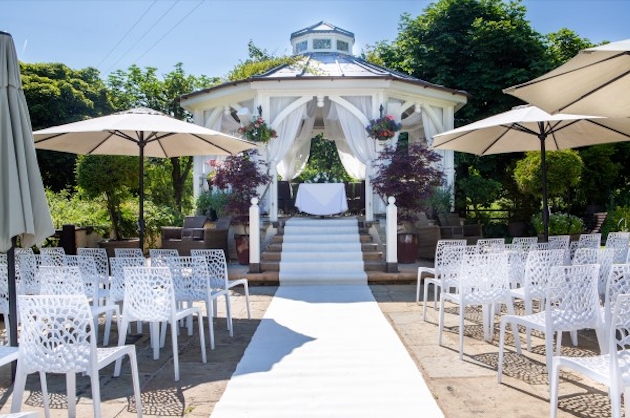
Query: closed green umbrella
{"points": [[24, 211]]}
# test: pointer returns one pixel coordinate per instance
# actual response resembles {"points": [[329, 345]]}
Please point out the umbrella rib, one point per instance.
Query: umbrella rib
{"points": [[496, 140], [599, 87]]}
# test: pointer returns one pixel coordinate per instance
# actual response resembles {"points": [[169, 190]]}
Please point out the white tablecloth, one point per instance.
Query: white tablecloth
{"points": [[321, 198]]}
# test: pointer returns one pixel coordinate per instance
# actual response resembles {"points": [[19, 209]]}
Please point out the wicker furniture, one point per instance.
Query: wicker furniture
{"points": [[191, 235], [428, 236], [452, 228]]}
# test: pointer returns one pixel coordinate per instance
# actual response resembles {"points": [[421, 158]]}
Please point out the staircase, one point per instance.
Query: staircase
{"points": [[322, 251]]}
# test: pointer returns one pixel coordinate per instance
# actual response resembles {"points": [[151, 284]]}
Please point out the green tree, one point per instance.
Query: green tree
{"points": [[481, 192], [564, 169], [112, 176], [599, 169], [323, 161], [258, 62], [57, 94]]}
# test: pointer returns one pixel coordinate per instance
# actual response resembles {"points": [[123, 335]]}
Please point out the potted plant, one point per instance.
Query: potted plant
{"points": [[383, 128], [409, 174], [240, 175], [559, 224]]}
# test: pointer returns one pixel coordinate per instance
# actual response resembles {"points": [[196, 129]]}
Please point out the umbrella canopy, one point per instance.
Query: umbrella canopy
{"points": [[24, 211], [594, 82], [528, 128], [143, 132]]}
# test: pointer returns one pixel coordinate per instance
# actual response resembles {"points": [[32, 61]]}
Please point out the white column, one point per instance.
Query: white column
{"points": [[391, 235], [273, 192], [254, 235]]}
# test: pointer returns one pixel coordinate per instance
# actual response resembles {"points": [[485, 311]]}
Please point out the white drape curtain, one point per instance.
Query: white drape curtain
{"points": [[295, 159]]}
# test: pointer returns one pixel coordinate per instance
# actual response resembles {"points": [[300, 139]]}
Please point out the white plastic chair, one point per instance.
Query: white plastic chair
{"points": [[71, 280], [490, 245], [4, 300], [128, 252], [602, 256], [619, 241], [150, 297], [57, 337], [525, 241], [117, 284], [52, 256], [158, 255], [191, 279], [219, 278], [100, 258], [535, 276], [593, 241], [482, 280], [571, 304], [612, 370], [440, 264], [26, 273], [618, 283]]}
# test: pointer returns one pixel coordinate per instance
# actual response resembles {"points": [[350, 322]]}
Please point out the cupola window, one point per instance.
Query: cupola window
{"points": [[322, 44]]}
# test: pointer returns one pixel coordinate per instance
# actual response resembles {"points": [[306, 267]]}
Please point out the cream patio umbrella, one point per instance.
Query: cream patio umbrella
{"points": [[594, 82], [528, 128], [24, 211], [143, 132]]}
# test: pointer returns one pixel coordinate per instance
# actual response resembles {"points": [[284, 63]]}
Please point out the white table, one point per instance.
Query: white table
{"points": [[321, 198]]}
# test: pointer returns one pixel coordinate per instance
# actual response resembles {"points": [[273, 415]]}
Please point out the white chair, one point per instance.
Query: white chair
{"points": [[440, 264], [525, 241], [535, 276], [150, 297], [128, 252], [619, 241], [618, 283], [490, 245], [602, 256], [26, 273], [482, 280], [4, 300], [561, 242], [100, 258], [158, 255], [219, 278], [571, 304], [71, 280], [191, 279], [612, 370], [586, 241], [117, 284], [52, 256], [57, 337]]}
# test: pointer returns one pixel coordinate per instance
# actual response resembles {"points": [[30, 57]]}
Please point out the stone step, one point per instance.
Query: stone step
{"points": [[362, 238], [365, 247], [371, 265], [367, 256]]}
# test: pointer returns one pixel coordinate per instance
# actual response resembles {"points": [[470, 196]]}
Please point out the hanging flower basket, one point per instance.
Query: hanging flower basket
{"points": [[383, 128], [257, 131]]}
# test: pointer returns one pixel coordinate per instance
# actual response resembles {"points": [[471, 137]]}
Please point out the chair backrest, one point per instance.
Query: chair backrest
{"points": [[26, 273], [64, 280], [572, 299], [492, 245], [619, 241], [4, 288], [158, 255], [117, 285], [56, 334], [128, 252], [619, 339], [190, 277], [559, 241], [537, 267], [52, 256], [618, 283], [525, 241], [452, 263], [440, 261], [149, 294], [3, 259], [449, 219], [100, 258], [216, 264], [484, 278], [89, 273], [602, 256]]}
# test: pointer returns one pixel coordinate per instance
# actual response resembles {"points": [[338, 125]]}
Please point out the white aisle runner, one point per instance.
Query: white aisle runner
{"points": [[326, 352]]}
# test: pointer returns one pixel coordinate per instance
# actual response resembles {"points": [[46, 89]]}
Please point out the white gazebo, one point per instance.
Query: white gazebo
{"points": [[327, 91]]}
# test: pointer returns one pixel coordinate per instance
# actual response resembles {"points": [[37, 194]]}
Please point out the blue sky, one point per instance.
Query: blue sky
{"points": [[210, 36]]}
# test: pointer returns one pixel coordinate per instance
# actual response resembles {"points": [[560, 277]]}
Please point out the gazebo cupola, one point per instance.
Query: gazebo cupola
{"points": [[322, 37]]}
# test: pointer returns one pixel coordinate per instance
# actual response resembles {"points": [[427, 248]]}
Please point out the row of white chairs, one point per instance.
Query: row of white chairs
{"points": [[571, 294]]}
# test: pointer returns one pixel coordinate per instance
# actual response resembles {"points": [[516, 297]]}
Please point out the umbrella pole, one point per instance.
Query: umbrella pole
{"points": [[543, 166], [13, 341], [141, 144]]}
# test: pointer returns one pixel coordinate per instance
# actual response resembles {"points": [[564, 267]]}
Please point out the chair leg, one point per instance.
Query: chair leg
{"points": [[228, 313], [246, 288], [501, 348], [71, 393], [122, 333], [441, 321], [175, 351], [202, 338], [553, 389], [549, 336], [96, 393], [133, 361], [18, 389], [574, 338], [211, 323]]}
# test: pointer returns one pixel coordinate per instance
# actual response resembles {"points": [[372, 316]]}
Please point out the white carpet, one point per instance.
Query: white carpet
{"points": [[326, 352], [321, 251]]}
